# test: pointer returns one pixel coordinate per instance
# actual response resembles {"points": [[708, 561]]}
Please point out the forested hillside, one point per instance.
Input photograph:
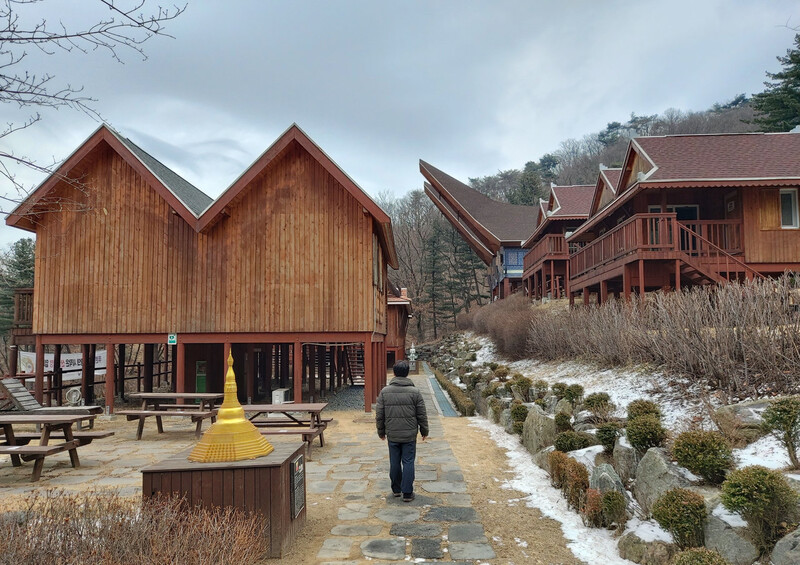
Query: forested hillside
{"points": [[445, 278]]}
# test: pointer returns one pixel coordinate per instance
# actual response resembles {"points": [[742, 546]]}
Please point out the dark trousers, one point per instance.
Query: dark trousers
{"points": [[401, 466]]}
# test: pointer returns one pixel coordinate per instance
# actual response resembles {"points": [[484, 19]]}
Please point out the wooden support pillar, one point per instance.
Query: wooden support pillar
{"points": [[553, 289], [284, 365], [58, 377], [38, 383], [148, 367], [251, 371], [571, 300], [120, 388], [173, 354], [626, 282], [297, 377], [85, 372], [586, 296], [13, 358], [110, 377], [641, 280], [603, 298], [265, 368], [179, 366], [369, 374]]}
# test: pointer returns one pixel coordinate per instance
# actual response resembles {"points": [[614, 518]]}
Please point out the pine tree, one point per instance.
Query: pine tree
{"points": [[529, 187], [16, 271], [778, 106]]}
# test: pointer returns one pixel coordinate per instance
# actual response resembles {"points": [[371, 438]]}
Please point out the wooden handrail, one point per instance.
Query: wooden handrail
{"points": [[550, 244], [708, 250]]}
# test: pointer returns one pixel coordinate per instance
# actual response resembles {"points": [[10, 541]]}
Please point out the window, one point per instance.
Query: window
{"points": [[789, 217]]}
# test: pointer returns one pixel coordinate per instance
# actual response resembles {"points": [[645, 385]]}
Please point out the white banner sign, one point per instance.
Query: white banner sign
{"points": [[72, 362]]}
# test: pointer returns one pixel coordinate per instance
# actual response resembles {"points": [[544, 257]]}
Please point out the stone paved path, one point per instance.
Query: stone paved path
{"points": [[375, 527]]}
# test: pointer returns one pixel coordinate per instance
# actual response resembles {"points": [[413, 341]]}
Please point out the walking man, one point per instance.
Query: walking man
{"points": [[400, 412]]}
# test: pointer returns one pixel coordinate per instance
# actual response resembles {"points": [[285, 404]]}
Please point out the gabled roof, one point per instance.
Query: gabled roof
{"points": [[493, 223], [704, 161], [569, 202], [195, 207], [608, 179]]}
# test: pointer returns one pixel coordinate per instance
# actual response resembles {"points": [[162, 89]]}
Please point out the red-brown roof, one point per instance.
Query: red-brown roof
{"points": [[572, 201], [722, 157], [612, 176], [505, 223]]}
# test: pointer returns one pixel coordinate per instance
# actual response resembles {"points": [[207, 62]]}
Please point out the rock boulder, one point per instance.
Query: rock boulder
{"points": [[635, 549], [787, 550], [655, 475], [539, 430]]}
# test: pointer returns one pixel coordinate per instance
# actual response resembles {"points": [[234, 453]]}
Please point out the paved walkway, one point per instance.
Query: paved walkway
{"points": [[372, 525]]}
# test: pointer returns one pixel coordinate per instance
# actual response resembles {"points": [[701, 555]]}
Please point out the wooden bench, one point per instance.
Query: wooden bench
{"points": [[22, 399], [308, 435], [141, 415], [38, 453], [83, 438]]}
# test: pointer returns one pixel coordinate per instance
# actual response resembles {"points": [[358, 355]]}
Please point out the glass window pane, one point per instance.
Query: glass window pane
{"points": [[788, 207]]}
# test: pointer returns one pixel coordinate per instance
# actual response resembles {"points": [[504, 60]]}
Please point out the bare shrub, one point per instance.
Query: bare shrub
{"points": [[742, 338], [98, 527], [507, 323]]}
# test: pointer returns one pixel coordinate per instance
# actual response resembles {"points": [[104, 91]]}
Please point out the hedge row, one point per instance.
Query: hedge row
{"points": [[458, 396]]}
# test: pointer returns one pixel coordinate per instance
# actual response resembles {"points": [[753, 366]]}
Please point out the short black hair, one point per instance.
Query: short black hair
{"points": [[400, 369]]}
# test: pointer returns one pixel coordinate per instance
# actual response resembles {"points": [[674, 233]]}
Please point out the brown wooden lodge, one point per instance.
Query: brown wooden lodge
{"points": [[682, 210], [288, 268]]}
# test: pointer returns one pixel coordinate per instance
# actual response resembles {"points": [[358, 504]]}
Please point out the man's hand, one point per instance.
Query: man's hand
{"points": [[383, 438], [424, 438]]}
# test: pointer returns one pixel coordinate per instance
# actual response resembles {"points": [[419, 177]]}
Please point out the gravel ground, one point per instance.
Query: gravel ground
{"points": [[349, 398]]}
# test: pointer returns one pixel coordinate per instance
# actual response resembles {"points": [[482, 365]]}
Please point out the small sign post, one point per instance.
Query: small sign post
{"points": [[172, 339]]}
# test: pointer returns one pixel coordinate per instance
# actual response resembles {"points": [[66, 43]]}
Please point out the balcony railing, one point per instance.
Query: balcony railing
{"points": [[660, 232], [23, 308], [549, 246]]}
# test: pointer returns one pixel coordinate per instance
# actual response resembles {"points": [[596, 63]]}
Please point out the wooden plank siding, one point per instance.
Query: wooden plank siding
{"points": [[765, 240], [294, 254]]}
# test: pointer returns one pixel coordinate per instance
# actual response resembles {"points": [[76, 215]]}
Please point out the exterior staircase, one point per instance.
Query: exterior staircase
{"points": [[704, 262], [355, 364]]}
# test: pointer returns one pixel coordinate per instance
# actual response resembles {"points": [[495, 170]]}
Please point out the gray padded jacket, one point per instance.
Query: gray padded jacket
{"points": [[401, 411]]}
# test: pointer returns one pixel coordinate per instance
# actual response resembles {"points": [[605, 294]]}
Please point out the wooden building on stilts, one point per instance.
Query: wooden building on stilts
{"points": [[288, 268]]}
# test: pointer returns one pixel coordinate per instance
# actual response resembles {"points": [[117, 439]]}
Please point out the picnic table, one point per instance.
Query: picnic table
{"points": [[200, 406], [54, 426], [304, 420]]}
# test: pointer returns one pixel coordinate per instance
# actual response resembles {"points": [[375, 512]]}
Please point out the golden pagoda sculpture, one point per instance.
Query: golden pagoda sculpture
{"points": [[232, 437]]}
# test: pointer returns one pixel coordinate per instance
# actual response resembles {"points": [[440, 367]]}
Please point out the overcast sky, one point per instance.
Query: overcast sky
{"points": [[472, 87]]}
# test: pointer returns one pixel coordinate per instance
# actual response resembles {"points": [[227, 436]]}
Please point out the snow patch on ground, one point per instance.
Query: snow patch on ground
{"points": [[678, 399], [648, 531], [591, 545], [767, 452], [730, 518]]}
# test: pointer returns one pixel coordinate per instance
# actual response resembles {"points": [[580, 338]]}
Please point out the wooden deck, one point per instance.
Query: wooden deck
{"points": [[656, 250]]}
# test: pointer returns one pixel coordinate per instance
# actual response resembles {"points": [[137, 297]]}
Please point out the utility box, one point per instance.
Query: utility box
{"points": [[280, 396]]}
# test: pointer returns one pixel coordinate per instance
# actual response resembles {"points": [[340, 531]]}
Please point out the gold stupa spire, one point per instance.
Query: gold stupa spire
{"points": [[232, 437]]}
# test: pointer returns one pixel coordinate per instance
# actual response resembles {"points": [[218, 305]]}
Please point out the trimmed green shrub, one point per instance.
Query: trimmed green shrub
{"points": [[645, 432], [573, 394], [501, 373], [592, 511], [699, 556], [491, 390], [607, 435], [540, 403], [570, 441], [518, 427], [599, 404], [764, 499], [541, 387], [682, 513], [641, 408], [782, 419], [492, 366], [557, 465], [521, 384], [462, 402], [559, 390], [519, 413], [563, 422], [705, 453], [576, 484], [495, 408], [614, 507], [473, 357]]}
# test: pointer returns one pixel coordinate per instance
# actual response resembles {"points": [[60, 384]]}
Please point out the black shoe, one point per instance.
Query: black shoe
{"points": [[408, 497], [396, 494]]}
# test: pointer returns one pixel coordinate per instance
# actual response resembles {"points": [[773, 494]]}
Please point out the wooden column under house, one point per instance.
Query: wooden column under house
{"points": [[287, 268]]}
